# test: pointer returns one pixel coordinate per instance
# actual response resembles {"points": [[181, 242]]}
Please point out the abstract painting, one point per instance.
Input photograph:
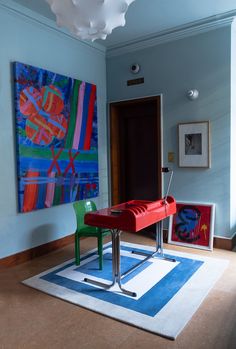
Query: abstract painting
{"points": [[56, 137], [192, 225]]}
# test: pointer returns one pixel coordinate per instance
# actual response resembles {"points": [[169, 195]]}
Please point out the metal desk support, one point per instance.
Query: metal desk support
{"points": [[115, 233], [157, 254], [116, 275]]}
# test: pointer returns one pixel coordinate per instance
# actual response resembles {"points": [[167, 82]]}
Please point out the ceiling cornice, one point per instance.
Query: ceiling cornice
{"points": [[180, 32], [31, 16]]}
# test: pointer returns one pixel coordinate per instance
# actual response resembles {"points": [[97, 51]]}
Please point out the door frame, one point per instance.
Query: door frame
{"points": [[114, 145]]}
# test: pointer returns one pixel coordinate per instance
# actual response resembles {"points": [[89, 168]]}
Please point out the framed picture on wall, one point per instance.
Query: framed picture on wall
{"points": [[56, 138], [192, 225], [194, 144]]}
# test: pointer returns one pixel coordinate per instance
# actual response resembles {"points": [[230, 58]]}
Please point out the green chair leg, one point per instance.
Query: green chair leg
{"points": [[100, 251], [77, 249], [81, 208]]}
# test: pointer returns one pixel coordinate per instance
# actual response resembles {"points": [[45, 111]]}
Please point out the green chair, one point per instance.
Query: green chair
{"points": [[82, 207]]}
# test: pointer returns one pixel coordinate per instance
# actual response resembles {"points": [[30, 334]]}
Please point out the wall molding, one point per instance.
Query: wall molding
{"points": [[27, 255], [225, 243], [30, 16], [179, 32], [220, 242]]}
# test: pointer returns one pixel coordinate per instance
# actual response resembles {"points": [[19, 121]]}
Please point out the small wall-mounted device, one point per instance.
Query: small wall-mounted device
{"points": [[135, 68], [171, 156], [192, 94]]}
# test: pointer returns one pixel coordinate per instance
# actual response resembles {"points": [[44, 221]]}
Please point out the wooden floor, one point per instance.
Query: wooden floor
{"points": [[31, 319]]}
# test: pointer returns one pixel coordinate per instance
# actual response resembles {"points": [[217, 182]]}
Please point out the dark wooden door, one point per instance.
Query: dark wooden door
{"points": [[135, 141], [138, 152]]}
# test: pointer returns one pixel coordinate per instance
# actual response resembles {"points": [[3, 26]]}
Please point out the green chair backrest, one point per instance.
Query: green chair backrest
{"points": [[82, 207]]}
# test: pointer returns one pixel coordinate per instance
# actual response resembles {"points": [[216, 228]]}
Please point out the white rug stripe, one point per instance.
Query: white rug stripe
{"points": [[170, 320]]}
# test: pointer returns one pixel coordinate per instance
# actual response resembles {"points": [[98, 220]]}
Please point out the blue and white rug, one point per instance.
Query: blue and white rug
{"points": [[168, 294]]}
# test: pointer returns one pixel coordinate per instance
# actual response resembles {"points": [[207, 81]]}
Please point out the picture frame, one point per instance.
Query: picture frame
{"points": [[192, 225], [194, 144]]}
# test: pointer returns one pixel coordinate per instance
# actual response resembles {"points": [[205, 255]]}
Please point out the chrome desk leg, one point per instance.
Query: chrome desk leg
{"points": [[159, 245], [116, 277], [157, 254]]}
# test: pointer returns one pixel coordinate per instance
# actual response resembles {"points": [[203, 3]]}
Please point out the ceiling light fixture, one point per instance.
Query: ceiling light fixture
{"points": [[90, 19]]}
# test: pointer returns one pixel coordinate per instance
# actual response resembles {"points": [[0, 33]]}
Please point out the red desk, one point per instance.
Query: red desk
{"points": [[131, 216]]}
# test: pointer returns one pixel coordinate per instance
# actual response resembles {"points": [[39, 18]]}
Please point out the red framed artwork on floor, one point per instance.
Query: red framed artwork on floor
{"points": [[192, 225]]}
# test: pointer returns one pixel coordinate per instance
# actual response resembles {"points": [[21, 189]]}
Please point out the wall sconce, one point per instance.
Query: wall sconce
{"points": [[192, 94]]}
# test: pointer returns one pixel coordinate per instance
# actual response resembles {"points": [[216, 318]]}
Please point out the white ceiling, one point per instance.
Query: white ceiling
{"points": [[150, 17]]}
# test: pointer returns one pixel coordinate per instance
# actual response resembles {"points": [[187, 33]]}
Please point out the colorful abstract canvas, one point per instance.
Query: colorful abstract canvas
{"points": [[192, 225], [56, 132]]}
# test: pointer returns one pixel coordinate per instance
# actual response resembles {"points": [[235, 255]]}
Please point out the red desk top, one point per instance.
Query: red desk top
{"points": [[133, 215]]}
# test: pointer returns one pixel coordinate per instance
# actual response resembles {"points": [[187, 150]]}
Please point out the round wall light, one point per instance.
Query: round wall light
{"points": [[192, 94]]}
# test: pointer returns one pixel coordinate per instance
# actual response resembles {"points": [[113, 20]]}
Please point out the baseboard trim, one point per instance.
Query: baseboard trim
{"points": [[224, 243], [218, 242], [37, 251], [24, 256]]}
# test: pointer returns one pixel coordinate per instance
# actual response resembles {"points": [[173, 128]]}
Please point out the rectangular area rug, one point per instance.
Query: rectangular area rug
{"points": [[168, 293]]}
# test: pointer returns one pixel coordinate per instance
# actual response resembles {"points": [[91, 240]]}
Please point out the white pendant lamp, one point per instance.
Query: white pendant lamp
{"points": [[90, 19]]}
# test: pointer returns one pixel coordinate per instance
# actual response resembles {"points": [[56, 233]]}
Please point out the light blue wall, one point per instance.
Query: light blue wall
{"points": [[201, 62], [171, 69], [27, 41]]}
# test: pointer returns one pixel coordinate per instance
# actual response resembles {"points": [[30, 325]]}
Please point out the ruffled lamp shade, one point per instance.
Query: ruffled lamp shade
{"points": [[90, 19]]}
